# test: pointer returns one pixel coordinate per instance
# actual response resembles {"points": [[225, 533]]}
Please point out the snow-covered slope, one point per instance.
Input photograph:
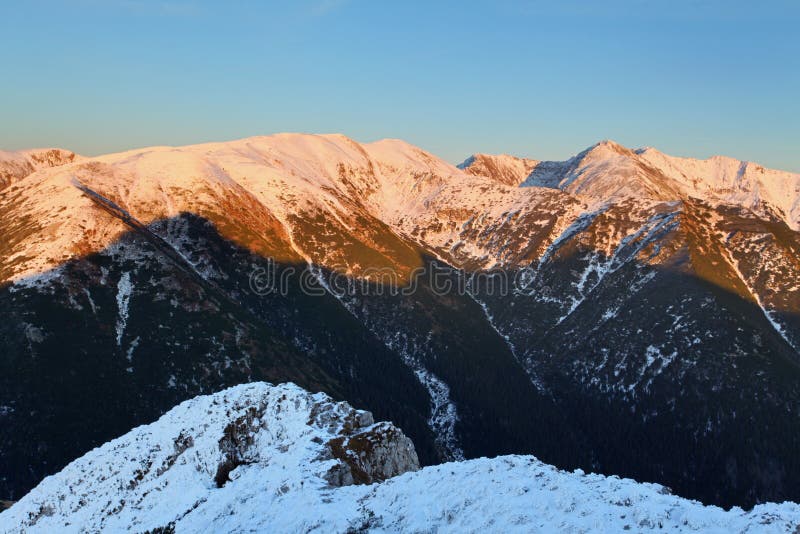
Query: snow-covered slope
{"points": [[212, 460], [732, 181], [608, 172], [19, 164], [503, 168], [275, 195], [258, 458]]}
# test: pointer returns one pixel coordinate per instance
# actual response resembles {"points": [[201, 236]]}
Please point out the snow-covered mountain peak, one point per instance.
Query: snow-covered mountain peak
{"points": [[503, 168], [253, 188], [608, 146], [603, 173], [723, 179], [262, 191], [398, 155], [608, 172], [249, 446]]}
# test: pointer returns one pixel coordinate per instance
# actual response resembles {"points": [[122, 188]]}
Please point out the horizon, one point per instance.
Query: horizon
{"points": [[457, 162], [692, 79]]}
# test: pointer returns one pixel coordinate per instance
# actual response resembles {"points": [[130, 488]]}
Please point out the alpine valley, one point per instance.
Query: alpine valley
{"points": [[623, 312]]}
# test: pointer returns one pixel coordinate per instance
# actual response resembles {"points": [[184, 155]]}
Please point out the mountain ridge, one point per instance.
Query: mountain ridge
{"points": [[673, 319], [258, 456], [19, 164]]}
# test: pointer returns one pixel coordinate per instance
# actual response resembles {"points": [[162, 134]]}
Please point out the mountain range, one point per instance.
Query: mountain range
{"points": [[622, 312]]}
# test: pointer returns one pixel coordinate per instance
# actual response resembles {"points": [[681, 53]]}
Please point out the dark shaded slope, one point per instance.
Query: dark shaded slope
{"points": [[73, 374], [661, 355], [644, 355]]}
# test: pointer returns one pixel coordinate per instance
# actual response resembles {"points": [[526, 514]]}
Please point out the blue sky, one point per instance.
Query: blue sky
{"points": [[541, 79]]}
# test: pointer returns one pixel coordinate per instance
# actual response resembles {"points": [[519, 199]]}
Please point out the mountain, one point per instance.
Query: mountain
{"points": [[608, 171], [623, 312], [508, 170], [239, 442], [17, 165], [258, 457]]}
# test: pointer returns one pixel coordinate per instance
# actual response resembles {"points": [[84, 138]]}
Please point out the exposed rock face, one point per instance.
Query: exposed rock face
{"points": [[367, 452], [373, 454]]}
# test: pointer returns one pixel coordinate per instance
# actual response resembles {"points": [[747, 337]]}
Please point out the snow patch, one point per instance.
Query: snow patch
{"points": [[124, 290]]}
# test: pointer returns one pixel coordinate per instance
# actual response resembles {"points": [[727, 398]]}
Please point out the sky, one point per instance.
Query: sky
{"points": [[539, 79]]}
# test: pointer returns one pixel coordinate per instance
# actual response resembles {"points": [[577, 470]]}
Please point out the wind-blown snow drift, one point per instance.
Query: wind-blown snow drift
{"points": [[264, 458]]}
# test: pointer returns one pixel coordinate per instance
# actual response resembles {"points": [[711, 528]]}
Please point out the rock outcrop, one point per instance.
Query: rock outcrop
{"points": [[253, 437]]}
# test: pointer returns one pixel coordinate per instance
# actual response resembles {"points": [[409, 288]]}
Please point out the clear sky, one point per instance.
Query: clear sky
{"points": [[539, 79]]}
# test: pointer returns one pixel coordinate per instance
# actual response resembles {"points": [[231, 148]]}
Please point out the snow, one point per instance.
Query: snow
{"points": [[653, 355], [769, 315], [609, 172], [732, 181], [443, 414], [603, 173], [166, 471], [163, 474], [91, 300], [535, 380], [131, 348], [124, 290], [601, 263], [288, 177], [503, 168], [19, 164]]}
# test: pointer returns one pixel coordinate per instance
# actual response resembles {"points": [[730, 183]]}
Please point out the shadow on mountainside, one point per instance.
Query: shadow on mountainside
{"points": [[117, 337], [113, 339]]}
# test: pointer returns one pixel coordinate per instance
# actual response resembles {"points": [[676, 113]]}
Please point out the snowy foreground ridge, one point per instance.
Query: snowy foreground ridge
{"points": [[266, 458]]}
